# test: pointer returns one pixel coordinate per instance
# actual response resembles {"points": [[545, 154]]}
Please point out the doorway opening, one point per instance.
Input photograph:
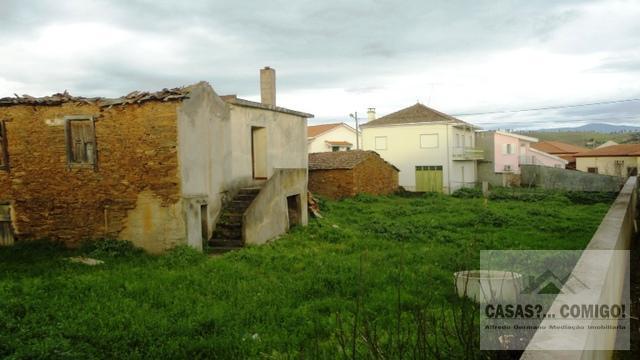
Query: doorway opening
{"points": [[293, 210], [6, 230], [204, 222], [259, 152]]}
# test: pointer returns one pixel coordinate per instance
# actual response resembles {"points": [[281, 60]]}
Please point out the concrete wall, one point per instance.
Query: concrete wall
{"points": [[215, 152], [267, 217], [608, 165], [555, 178], [203, 130], [340, 133], [604, 272], [537, 157], [404, 151]]}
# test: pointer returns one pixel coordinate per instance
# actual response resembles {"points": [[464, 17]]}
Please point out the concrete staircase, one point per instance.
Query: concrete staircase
{"points": [[228, 233]]}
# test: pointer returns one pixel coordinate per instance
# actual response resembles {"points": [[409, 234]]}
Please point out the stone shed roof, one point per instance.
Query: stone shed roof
{"points": [[415, 114], [341, 159], [135, 97], [613, 150]]}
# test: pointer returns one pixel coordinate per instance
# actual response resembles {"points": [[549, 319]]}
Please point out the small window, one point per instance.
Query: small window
{"points": [[428, 141], [381, 143], [348, 148], [81, 141], [507, 149], [593, 170], [4, 151], [335, 148]]}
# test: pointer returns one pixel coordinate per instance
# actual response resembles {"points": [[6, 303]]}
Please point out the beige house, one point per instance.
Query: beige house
{"points": [[434, 151], [618, 160], [179, 166], [331, 137]]}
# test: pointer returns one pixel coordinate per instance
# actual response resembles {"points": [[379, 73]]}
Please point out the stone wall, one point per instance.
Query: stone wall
{"points": [[136, 175], [375, 176], [372, 176], [556, 178], [333, 184]]}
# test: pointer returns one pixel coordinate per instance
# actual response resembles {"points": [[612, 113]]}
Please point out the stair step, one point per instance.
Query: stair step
{"points": [[226, 243]]}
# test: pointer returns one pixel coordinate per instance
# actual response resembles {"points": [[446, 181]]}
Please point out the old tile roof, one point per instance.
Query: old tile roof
{"points": [[613, 150], [315, 130], [341, 159], [417, 113], [557, 147], [136, 97]]}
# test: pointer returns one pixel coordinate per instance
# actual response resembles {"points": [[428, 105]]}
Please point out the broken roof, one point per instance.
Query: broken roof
{"points": [[613, 150], [135, 97], [341, 159], [415, 114]]}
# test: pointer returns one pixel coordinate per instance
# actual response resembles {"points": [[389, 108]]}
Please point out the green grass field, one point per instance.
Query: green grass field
{"points": [[374, 269]]}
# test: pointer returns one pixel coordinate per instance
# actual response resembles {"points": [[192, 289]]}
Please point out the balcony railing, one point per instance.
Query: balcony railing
{"points": [[467, 153]]}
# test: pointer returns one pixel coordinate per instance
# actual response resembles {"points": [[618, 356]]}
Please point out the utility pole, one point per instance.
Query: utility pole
{"points": [[355, 117]]}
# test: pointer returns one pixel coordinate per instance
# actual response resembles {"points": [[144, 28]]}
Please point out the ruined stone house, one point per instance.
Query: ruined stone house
{"points": [[159, 169]]}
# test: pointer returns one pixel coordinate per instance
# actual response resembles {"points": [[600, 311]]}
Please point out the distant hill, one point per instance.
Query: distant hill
{"points": [[590, 135], [596, 127]]}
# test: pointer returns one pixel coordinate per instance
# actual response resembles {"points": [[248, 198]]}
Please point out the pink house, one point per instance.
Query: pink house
{"points": [[505, 152]]}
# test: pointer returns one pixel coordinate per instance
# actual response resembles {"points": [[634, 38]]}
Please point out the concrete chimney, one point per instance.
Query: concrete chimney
{"points": [[268, 86], [371, 114]]}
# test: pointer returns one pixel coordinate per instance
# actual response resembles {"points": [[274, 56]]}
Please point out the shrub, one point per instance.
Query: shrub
{"points": [[182, 255], [589, 198], [112, 248], [467, 193]]}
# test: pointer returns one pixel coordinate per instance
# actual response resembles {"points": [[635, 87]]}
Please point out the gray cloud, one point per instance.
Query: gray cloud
{"points": [[357, 46]]}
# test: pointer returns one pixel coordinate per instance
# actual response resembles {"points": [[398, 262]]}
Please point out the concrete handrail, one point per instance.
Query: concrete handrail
{"points": [[267, 216], [605, 273]]}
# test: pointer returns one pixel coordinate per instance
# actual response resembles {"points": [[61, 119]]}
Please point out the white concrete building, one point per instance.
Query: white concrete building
{"points": [[331, 137], [434, 151]]}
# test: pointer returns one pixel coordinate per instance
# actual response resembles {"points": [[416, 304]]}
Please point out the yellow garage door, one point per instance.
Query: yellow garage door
{"points": [[429, 178]]}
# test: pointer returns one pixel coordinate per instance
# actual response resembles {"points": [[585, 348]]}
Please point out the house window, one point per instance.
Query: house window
{"points": [[4, 152], [335, 148], [428, 141], [381, 143], [507, 149], [593, 170], [457, 140], [81, 140], [348, 148]]}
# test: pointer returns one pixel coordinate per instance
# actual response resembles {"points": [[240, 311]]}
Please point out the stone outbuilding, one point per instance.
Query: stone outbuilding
{"points": [[158, 169], [341, 174]]}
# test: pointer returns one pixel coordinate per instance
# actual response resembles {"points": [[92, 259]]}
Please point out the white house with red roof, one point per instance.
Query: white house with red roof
{"points": [[331, 137]]}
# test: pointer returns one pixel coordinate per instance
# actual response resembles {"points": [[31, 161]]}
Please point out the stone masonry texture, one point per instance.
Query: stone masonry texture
{"points": [[137, 151]]}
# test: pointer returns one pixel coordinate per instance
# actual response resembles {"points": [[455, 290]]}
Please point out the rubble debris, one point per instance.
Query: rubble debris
{"points": [[313, 205], [85, 260]]}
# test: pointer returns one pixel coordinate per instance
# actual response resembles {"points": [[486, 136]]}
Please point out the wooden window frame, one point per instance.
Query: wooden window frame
{"points": [[5, 146], [68, 141]]}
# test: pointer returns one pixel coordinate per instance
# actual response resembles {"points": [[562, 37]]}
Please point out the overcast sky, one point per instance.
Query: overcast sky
{"points": [[336, 57]]}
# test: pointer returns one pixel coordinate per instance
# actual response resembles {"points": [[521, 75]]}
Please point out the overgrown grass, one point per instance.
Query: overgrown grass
{"points": [[372, 279]]}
